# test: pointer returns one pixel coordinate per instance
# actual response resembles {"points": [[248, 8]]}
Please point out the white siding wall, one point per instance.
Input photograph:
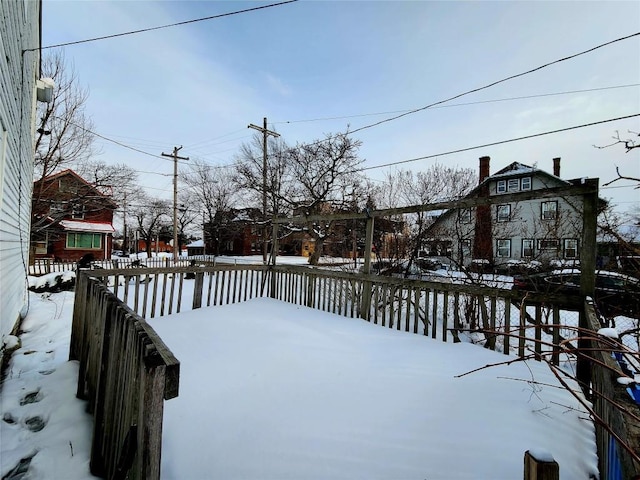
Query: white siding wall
{"points": [[525, 223], [19, 30]]}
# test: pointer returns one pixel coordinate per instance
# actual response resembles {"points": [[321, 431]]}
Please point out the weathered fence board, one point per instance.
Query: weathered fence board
{"points": [[125, 374]]}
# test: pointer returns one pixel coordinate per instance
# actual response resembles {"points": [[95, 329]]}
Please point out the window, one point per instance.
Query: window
{"points": [[56, 208], [40, 247], [527, 247], [77, 211], [548, 244], [465, 244], [501, 186], [570, 248], [465, 215], [89, 241], [504, 248], [504, 213], [66, 185], [513, 185], [525, 183], [549, 210]]}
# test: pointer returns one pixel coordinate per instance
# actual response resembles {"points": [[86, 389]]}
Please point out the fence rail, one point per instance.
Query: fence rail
{"points": [[126, 372]]}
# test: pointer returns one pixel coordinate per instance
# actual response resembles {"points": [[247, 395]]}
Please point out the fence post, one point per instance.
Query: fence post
{"points": [[365, 301], [197, 290], [587, 278], [540, 466]]}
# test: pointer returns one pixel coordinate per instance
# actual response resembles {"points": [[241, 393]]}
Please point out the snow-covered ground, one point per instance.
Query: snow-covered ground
{"points": [[270, 390]]}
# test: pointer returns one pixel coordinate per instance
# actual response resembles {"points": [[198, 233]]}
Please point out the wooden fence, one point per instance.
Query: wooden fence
{"points": [[44, 266], [126, 372], [616, 416], [494, 317]]}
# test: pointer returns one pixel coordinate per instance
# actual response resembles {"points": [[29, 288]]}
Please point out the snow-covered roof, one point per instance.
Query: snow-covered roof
{"points": [[79, 226], [515, 168], [196, 244]]}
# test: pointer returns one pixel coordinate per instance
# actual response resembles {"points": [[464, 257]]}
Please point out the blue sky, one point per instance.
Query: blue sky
{"points": [[201, 84]]}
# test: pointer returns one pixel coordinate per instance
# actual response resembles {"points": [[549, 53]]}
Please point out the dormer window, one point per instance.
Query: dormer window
{"points": [[513, 184]]}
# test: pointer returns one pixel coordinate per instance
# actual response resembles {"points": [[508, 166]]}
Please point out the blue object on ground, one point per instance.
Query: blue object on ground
{"points": [[634, 391]]}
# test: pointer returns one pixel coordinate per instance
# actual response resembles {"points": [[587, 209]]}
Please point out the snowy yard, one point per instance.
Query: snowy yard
{"points": [[270, 390]]}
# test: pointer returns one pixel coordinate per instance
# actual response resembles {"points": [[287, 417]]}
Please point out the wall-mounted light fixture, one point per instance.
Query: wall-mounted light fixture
{"points": [[44, 88]]}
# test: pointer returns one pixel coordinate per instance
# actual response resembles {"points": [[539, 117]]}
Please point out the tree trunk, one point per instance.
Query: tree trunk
{"points": [[317, 251]]}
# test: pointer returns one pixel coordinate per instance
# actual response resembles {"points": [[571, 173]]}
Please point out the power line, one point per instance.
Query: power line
{"points": [[496, 143], [524, 97], [203, 142], [106, 37], [495, 83]]}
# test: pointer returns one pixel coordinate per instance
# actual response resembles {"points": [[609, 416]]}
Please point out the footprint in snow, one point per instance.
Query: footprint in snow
{"points": [[35, 424], [33, 397]]}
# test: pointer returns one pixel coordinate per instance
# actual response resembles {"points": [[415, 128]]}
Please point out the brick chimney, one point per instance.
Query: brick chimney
{"points": [[556, 166], [482, 239], [484, 168]]}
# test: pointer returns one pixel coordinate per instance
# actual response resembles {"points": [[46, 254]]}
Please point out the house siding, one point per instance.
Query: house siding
{"points": [[19, 30]]}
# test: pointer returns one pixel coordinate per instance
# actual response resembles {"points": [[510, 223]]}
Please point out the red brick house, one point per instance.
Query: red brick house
{"points": [[70, 218], [234, 232]]}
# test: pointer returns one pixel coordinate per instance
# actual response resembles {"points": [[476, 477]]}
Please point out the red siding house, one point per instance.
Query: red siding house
{"points": [[71, 218]]}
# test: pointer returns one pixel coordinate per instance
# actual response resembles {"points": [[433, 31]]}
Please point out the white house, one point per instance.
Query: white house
{"points": [[20, 77], [540, 229]]}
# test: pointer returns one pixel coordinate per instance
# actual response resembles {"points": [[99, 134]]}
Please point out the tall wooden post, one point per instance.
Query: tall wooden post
{"points": [[365, 303], [175, 157], [265, 134], [587, 277]]}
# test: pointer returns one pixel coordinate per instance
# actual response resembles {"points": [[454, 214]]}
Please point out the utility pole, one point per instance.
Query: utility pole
{"points": [[175, 157], [265, 134], [125, 244]]}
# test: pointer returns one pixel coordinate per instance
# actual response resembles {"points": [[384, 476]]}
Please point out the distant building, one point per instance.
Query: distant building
{"points": [[71, 218], [234, 232], [542, 229]]}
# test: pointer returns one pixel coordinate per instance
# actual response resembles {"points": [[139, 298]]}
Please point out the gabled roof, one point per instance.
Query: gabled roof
{"points": [[70, 173]]}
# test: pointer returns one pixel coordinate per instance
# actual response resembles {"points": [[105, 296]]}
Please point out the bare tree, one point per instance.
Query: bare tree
{"points": [[323, 176], [629, 145], [249, 175], [438, 183], [116, 181], [623, 177], [149, 216], [213, 192], [63, 133]]}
